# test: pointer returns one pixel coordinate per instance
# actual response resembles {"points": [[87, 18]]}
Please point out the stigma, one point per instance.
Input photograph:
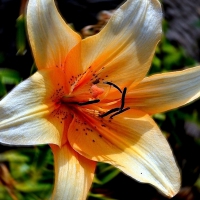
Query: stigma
{"points": [[96, 91]]}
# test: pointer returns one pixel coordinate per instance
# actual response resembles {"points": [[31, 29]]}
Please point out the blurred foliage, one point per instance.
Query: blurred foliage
{"points": [[21, 35], [27, 173]]}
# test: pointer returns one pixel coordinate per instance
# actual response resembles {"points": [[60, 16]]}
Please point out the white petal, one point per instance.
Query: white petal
{"points": [[131, 142], [27, 112], [122, 52], [162, 92], [50, 37], [73, 174]]}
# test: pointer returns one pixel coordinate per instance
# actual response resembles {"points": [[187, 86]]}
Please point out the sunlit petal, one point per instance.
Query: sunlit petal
{"points": [[131, 142], [162, 92], [73, 174], [72, 67], [50, 37], [123, 50], [28, 113]]}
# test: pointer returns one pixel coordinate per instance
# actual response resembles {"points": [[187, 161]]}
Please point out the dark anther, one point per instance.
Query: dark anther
{"points": [[112, 84], [88, 102], [109, 112], [116, 111], [123, 98], [119, 112]]}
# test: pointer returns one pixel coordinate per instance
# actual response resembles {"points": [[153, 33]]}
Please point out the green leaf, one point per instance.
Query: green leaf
{"points": [[2, 88], [100, 196], [9, 76], [13, 156], [106, 173], [156, 62], [30, 186], [21, 35], [112, 174], [33, 69]]}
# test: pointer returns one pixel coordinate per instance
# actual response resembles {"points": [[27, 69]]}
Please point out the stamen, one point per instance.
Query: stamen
{"points": [[109, 112], [123, 98], [116, 110], [84, 103], [87, 102], [119, 112], [112, 84]]}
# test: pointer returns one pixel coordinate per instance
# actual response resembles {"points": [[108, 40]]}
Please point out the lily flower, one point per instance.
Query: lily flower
{"points": [[91, 101]]}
